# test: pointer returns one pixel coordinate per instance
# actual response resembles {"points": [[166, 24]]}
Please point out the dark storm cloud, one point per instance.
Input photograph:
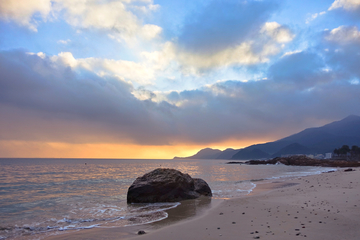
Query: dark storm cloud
{"points": [[223, 24], [43, 101], [299, 93]]}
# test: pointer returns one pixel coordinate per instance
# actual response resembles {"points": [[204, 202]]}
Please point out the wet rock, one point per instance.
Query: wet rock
{"points": [[166, 185], [202, 187], [141, 232]]}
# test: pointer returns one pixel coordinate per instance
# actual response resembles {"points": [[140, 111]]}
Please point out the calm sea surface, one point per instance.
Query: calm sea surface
{"points": [[40, 197]]}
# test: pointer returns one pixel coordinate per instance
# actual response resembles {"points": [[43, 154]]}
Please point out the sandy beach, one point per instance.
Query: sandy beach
{"points": [[325, 206]]}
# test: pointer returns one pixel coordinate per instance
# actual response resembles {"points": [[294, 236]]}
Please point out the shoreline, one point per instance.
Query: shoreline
{"points": [[195, 213], [323, 206], [186, 211]]}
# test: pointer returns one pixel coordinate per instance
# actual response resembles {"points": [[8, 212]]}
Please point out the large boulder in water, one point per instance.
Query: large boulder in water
{"points": [[166, 185]]}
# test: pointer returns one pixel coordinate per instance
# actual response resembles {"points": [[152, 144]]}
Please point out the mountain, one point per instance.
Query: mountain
{"points": [[251, 153], [206, 153], [309, 141], [227, 153], [312, 140], [294, 148]]}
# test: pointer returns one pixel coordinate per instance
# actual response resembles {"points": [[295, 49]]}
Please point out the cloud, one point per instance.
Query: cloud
{"points": [[314, 16], [142, 73], [43, 100], [299, 70], [56, 99], [297, 92], [150, 31], [290, 53], [344, 35], [347, 9], [22, 11], [64, 41], [209, 31], [267, 109], [241, 36], [113, 16], [346, 4], [343, 48], [280, 34], [268, 41], [241, 54]]}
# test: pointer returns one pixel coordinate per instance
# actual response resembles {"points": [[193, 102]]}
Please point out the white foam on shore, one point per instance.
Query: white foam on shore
{"points": [[136, 215], [233, 189], [313, 171]]}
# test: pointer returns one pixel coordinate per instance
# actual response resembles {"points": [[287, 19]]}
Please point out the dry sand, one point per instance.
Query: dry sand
{"points": [[325, 206]]}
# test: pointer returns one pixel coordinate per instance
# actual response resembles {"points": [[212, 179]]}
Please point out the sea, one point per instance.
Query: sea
{"points": [[43, 197]]}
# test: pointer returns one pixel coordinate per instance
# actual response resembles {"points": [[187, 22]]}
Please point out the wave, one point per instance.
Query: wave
{"points": [[137, 214]]}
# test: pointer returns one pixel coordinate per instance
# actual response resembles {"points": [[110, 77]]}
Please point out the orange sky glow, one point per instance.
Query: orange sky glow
{"points": [[103, 150]]}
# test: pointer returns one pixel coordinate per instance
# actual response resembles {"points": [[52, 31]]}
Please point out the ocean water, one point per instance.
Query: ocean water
{"points": [[42, 197]]}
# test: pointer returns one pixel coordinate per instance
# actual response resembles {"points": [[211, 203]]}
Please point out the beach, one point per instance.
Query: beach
{"points": [[45, 197], [324, 206]]}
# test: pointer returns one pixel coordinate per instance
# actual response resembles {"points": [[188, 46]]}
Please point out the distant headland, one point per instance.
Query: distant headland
{"points": [[316, 142]]}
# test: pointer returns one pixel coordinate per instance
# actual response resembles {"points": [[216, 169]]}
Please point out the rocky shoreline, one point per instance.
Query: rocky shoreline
{"points": [[303, 161]]}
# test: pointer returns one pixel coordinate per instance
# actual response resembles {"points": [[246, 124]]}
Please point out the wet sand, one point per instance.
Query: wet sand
{"points": [[188, 209], [325, 206]]}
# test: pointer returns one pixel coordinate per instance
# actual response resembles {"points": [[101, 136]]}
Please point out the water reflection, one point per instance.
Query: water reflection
{"points": [[187, 209]]}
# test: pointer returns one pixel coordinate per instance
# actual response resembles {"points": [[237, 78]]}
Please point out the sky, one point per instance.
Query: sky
{"points": [[165, 78]]}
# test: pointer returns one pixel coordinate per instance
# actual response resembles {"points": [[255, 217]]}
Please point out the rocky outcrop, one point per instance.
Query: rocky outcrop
{"points": [[166, 185], [305, 161]]}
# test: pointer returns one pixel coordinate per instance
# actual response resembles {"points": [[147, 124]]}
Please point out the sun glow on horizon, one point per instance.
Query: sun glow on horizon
{"points": [[24, 149]]}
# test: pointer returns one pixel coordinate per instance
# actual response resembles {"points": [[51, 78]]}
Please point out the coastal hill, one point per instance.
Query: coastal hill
{"points": [[318, 140], [209, 153], [206, 153]]}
